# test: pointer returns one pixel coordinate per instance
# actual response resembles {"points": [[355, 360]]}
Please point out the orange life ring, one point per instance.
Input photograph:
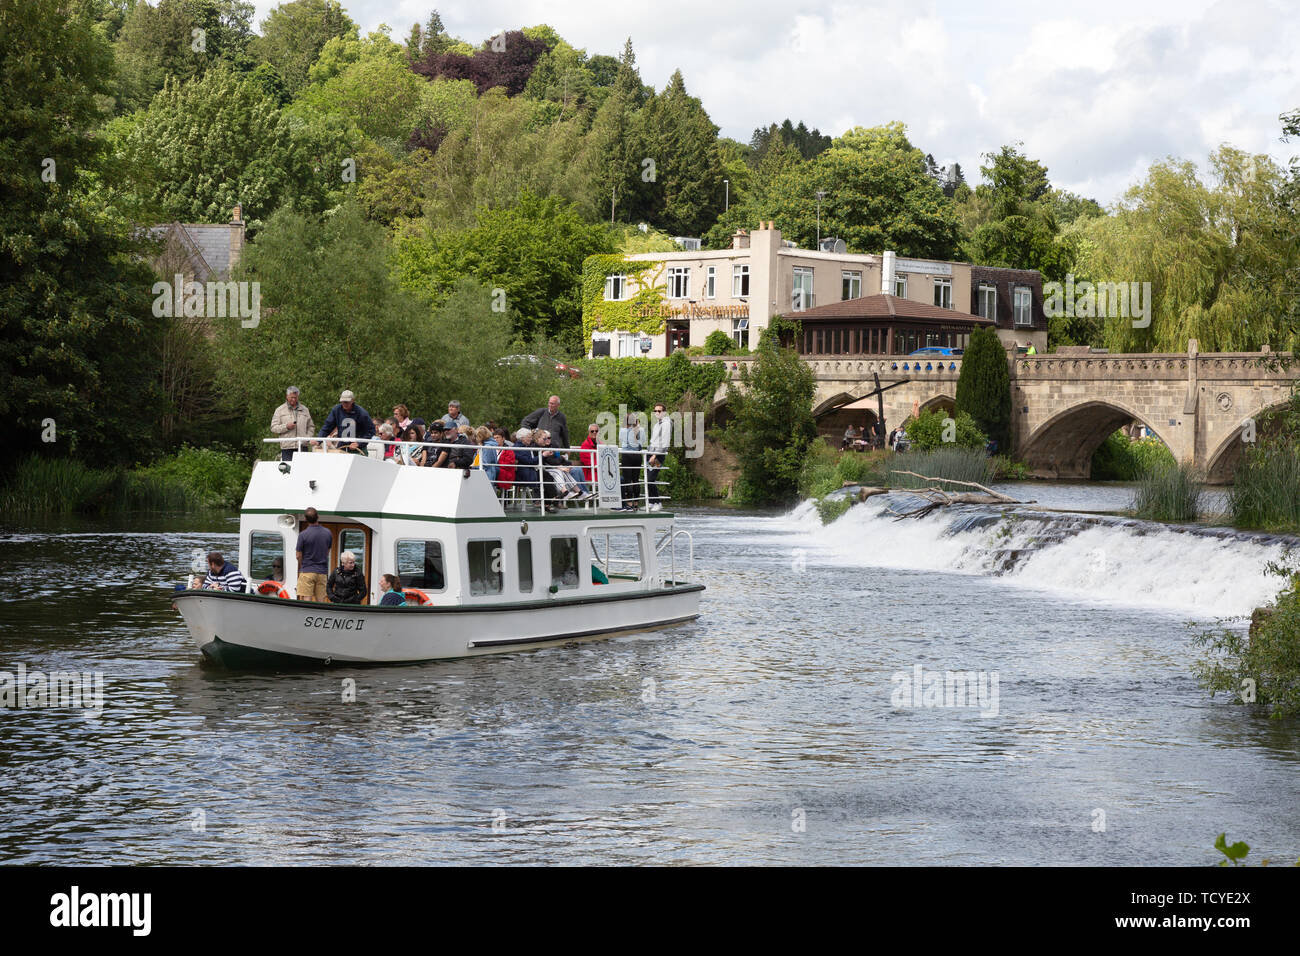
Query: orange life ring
{"points": [[416, 596], [274, 588]]}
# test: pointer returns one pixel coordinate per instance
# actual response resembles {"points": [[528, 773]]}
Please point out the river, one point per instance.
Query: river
{"points": [[770, 731]]}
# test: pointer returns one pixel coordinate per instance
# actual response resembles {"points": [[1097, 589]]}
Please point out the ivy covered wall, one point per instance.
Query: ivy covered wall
{"points": [[645, 283]]}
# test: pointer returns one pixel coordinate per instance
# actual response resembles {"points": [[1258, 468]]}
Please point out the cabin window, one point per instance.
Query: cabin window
{"points": [[420, 564], [266, 556], [484, 567], [564, 562], [619, 554], [526, 565], [354, 540]]}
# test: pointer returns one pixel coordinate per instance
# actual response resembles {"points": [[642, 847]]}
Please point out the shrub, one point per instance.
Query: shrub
{"points": [[1266, 660], [1168, 492], [718, 343], [1119, 458], [213, 478], [932, 431], [829, 510], [826, 469], [1266, 490]]}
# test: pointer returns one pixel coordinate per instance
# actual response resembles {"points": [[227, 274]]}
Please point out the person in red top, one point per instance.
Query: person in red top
{"points": [[588, 458], [505, 461]]}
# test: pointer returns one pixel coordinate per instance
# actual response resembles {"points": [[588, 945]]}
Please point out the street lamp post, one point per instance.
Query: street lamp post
{"points": [[820, 196], [727, 202]]}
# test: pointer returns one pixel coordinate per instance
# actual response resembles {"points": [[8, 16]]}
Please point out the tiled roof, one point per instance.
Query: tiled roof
{"points": [[883, 307]]}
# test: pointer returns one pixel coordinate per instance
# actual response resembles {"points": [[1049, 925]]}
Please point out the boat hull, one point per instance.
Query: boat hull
{"points": [[245, 630]]}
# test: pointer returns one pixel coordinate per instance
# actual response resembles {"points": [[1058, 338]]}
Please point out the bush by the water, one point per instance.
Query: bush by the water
{"points": [[1262, 666], [931, 430], [192, 478], [959, 464], [1119, 458], [826, 469], [828, 509], [1168, 492]]}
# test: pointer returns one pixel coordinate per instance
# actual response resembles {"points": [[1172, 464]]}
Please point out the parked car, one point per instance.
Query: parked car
{"points": [[559, 366], [937, 350]]}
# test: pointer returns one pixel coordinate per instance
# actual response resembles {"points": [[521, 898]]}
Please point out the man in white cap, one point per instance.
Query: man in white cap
{"points": [[293, 421], [348, 420]]}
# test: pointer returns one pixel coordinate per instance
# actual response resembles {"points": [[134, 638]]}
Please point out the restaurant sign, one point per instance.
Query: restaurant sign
{"points": [[689, 311]]}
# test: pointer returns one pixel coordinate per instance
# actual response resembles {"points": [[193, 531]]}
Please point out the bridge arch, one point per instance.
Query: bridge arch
{"points": [[1223, 460], [1063, 446], [945, 403]]}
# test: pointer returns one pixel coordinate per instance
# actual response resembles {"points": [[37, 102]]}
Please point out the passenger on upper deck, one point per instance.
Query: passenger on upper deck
{"points": [[437, 457], [552, 419], [347, 419], [505, 461], [453, 416], [526, 459], [293, 420]]}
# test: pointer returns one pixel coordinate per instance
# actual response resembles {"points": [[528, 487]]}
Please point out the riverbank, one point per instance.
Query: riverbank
{"points": [[190, 479]]}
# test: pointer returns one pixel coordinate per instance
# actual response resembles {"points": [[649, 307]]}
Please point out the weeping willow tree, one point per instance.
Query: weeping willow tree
{"points": [[1221, 257]]}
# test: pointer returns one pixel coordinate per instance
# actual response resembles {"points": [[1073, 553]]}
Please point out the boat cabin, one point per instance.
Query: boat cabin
{"points": [[445, 532]]}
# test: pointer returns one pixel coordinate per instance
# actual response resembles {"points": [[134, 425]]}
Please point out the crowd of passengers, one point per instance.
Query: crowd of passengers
{"points": [[532, 455]]}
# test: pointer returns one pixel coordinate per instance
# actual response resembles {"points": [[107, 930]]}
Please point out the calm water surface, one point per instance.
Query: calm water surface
{"points": [[764, 733]]}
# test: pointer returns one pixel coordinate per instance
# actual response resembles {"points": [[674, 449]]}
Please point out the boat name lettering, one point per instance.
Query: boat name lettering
{"points": [[334, 623]]}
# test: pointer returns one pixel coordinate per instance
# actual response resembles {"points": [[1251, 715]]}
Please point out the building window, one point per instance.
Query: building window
{"points": [[1022, 304], [801, 297], [900, 286], [943, 293], [852, 282], [739, 281], [711, 282], [740, 332], [484, 567], [679, 282], [629, 343], [988, 300], [615, 287]]}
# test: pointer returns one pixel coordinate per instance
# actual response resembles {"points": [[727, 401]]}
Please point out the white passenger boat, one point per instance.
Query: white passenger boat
{"points": [[497, 576]]}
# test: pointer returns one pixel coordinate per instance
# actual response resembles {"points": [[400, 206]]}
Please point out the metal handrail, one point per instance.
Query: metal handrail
{"points": [[645, 455]]}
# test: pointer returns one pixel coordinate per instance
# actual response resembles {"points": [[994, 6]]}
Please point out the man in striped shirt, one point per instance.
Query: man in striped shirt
{"points": [[223, 576]]}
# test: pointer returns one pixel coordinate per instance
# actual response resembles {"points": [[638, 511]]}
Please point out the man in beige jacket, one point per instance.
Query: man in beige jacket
{"points": [[293, 420]]}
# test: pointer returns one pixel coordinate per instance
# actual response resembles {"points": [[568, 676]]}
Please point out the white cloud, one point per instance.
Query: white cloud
{"points": [[1096, 92]]}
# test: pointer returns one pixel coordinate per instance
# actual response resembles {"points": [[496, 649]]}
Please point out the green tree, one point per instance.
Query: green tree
{"points": [[294, 34], [771, 422], [250, 152], [1221, 257], [532, 251], [1011, 217], [368, 84], [877, 196], [78, 339], [984, 387], [679, 139], [931, 430], [179, 39]]}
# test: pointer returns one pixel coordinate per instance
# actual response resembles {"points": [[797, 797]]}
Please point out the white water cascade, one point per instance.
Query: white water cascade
{"points": [[1202, 572]]}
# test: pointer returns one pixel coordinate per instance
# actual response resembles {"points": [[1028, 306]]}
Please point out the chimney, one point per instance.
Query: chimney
{"points": [[887, 273], [236, 236], [740, 240]]}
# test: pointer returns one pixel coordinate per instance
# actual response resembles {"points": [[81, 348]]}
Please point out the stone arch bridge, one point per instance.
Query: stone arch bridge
{"points": [[1065, 404]]}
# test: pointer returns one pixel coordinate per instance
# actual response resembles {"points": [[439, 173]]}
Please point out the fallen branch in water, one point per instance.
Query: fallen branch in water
{"points": [[939, 498], [968, 484]]}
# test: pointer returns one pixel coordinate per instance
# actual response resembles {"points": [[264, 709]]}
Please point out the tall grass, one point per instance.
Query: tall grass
{"points": [[825, 469], [1266, 491], [958, 464], [190, 479], [1170, 491]]}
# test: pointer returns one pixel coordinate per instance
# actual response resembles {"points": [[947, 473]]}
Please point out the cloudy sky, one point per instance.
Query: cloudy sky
{"points": [[1096, 91]]}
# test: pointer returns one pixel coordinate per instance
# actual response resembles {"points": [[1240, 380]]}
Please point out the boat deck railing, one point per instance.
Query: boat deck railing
{"points": [[539, 494]]}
